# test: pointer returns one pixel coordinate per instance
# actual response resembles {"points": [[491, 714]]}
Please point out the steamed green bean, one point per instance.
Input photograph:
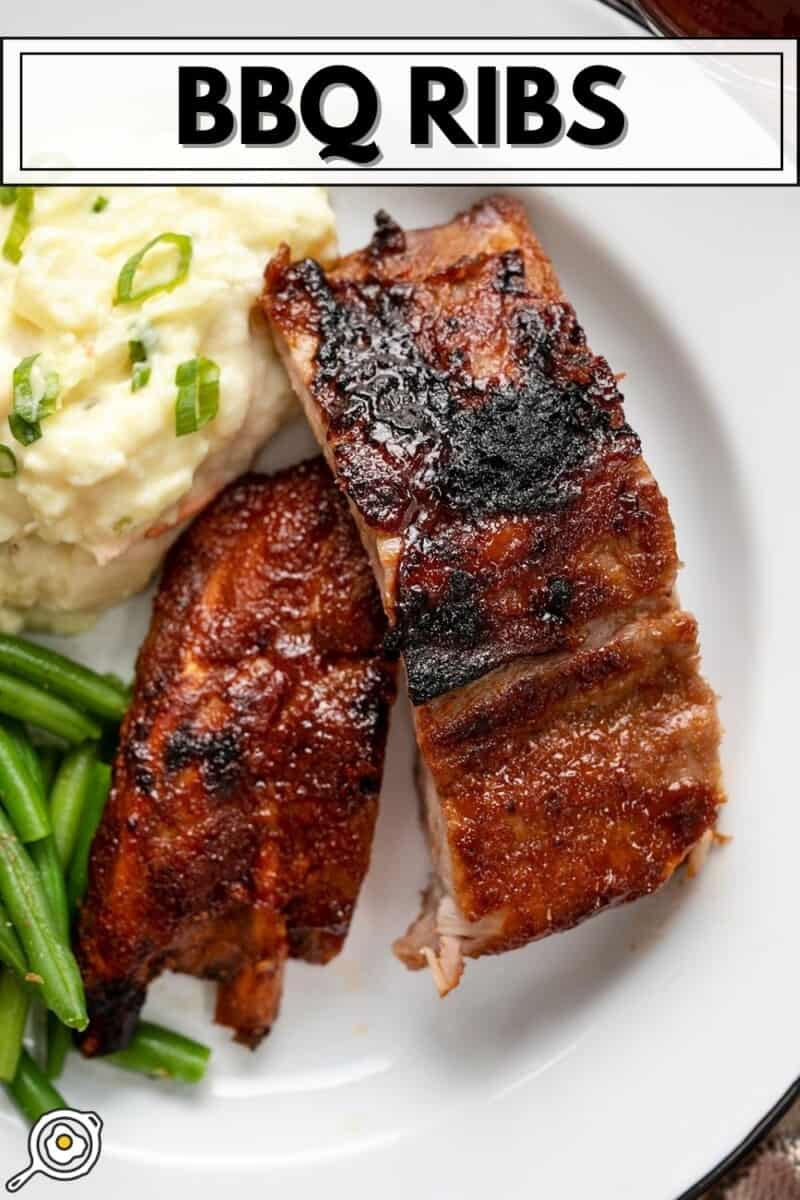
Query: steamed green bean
{"points": [[59, 1040], [49, 957], [11, 952], [32, 1092], [19, 792], [96, 694], [93, 813], [14, 1003], [49, 760], [44, 856], [68, 799], [163, 1054], [20, 699], [29, 755]]}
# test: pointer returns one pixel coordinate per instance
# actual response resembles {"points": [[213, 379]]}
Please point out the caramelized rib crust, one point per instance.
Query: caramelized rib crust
{"points": [[569, 746], [482, 444], [245, 790], [577, 782]]}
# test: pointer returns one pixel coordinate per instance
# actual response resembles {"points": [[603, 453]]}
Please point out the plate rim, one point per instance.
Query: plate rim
{"points": [[764, 1127], [740, 1151]]}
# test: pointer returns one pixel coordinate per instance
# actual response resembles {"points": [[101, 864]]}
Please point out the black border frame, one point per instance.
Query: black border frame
{"points": [[792, 1094], [462, 38]]}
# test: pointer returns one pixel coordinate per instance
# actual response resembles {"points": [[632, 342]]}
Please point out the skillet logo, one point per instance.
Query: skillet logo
{"points": [[437, 95], [63, 1145]]}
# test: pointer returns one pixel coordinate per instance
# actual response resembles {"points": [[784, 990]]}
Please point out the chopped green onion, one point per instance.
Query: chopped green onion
{"points": [[20, 224], [143, 340], [140, 347], [125, 293], [100, 203], [198, 395], [141, 376], [8, 462], [34, 398]]}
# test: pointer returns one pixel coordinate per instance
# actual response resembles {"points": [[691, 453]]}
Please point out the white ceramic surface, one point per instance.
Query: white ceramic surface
{"points": [[625, 1059]]}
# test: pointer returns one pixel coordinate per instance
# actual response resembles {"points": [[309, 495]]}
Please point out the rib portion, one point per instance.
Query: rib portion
{"points": [[245, 790], [482, 445], [562, 787], [527, 563]]}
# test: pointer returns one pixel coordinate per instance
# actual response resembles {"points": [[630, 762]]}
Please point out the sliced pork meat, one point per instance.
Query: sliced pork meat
{"points": [[527, 563], [245, 790]]}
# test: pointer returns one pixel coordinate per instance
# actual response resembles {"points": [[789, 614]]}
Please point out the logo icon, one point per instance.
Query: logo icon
{"points": [[63, 1144]]}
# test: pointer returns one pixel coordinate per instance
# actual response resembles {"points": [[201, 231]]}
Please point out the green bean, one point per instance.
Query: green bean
{"points": [[37, 707], [59, 1040], [14, 1002], [119, 685], [163, 1054], [68, 798], [49, 760], [43, 852], [32, 1092], [89, 691], [92, 815], [49, 957], [29, 756], [20, 795], [45, 858], [11, 952]]}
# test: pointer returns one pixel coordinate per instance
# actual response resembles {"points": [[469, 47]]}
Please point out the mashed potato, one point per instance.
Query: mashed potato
{"points": [[97, 499]]}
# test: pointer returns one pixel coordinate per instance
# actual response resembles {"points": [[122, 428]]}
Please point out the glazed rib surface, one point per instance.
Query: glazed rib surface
{"points": [[481, 443], [527, 563], [245, 789]]}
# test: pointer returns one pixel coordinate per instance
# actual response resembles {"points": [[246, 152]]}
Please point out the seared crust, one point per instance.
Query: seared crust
{"points": [[576, 782], [569, 746], [482, 444], [245, 790]]}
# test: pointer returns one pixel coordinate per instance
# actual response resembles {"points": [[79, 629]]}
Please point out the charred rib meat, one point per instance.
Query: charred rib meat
{"points": [[527, 563], [245, 791]]}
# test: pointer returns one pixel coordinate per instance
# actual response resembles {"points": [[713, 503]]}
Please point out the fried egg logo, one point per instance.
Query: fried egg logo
{"points": [[63, 1144]]}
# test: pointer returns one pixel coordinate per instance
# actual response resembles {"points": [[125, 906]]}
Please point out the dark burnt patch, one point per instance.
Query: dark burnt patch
{"points": [[455, 405], [435, 668], [559, 595], [455, 620], [113, 1008], [388, 237], [216, 752], [439, 438], [510, 272], [521, 452], [441, 639]]}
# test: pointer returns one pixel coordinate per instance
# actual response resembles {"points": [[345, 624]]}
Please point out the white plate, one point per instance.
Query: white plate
{"points": [[624, 1060], [627, 1058]]}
